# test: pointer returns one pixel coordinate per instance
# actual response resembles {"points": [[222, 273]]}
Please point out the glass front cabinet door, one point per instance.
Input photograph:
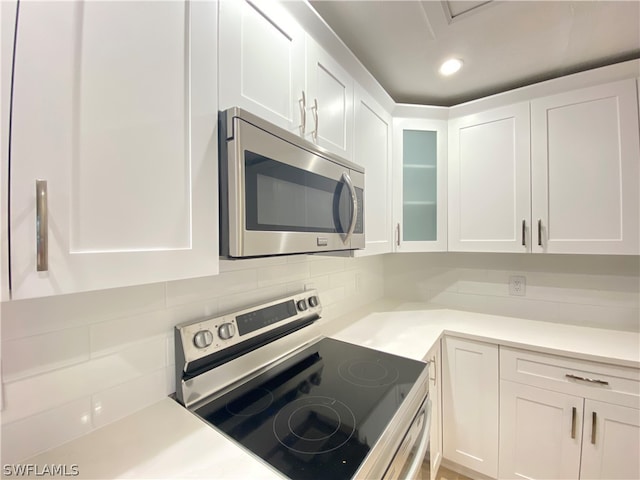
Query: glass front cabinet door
{"points": [[420, 182]]}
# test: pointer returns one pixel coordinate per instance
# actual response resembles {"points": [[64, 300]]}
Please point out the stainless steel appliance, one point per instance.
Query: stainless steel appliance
{"points": [[281, 194], [310, 407]]}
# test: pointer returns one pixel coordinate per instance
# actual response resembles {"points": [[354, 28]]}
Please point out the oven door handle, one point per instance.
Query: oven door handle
{"points": [[354, 200], [424, 442]]}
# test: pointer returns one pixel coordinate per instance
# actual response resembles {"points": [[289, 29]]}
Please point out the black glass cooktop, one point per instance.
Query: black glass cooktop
{"points": [[317, 415]]}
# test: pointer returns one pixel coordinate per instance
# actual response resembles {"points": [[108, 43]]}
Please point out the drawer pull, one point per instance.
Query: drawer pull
{"points": [[585, 379], [573, 422], [593, 428]]}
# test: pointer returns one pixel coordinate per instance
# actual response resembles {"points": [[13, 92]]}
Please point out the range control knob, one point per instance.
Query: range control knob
{"points": [[313, 301], [203, 338], [226, 331], [302, 305]]}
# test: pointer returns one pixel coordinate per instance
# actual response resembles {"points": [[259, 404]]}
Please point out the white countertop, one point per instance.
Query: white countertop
{"points": [[412, 329], [166, 441]]}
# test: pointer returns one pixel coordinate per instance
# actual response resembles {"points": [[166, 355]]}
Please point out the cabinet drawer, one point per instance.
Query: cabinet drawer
{"points": [[608, 383]]}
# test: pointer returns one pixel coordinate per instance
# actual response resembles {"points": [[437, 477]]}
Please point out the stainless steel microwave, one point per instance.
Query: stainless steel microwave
{"points": [[281, 194]]}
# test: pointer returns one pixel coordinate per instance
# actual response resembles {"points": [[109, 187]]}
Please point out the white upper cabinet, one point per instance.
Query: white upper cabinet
{"points": [[372, 150], [489, 181], [262, 69], [562, 178], [114, 107], [270, 67], [585, 164], [329, 101], [420, 184]]}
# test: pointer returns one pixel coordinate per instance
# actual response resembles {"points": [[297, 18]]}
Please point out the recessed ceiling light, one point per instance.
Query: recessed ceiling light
{"points": [[450, 66]]}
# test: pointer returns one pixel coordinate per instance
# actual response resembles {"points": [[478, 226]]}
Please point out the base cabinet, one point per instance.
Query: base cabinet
{"points": [[434, 357], [540, 432], [610, 441], [470, 404], [556, 429]]}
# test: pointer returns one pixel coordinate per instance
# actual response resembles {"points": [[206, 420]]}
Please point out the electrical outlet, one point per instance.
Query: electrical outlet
{"points": [[309, 286], [517, 285]]}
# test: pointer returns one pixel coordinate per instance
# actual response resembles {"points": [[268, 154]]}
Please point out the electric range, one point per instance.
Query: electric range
{"points": [[322, 408]]}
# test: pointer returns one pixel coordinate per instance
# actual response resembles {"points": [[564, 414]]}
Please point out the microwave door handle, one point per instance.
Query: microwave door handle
{"points": [[354, 201]]}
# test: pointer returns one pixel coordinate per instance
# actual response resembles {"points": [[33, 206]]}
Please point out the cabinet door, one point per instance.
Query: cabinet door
{"points": [[420, 180], [262, 67], [114, 106], [489, 180], [585, 170], [435, 390], [540, 433], [610, 442], [372, 150], [470, 404], [330, 102]]}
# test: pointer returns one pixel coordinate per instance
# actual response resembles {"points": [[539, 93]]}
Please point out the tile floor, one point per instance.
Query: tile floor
{"points": [[443, 474]]}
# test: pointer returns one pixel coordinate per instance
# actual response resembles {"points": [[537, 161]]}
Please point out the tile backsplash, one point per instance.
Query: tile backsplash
{"points": [[590, 290], [73, 363]]}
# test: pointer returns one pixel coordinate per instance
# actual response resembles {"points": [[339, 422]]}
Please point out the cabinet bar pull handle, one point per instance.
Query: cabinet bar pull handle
{"points": [[539, 232], [586, 379], [42, 227], [303, 112], [398, 234], [524, 231], [314, 109], [573, 422], [593, 428], [435, 370]]}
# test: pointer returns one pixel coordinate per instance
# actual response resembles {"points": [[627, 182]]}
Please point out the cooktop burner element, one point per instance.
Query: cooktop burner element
{"points": [[321, 422], [258, 400], [314, 425], [367, 373]]}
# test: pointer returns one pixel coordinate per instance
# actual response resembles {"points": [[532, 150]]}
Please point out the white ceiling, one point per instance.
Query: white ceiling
{"points": [[504, 44]]}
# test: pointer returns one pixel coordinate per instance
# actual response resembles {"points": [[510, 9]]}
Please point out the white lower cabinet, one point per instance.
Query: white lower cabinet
{"points": [[470, 404], [540, 432], [556, 430], [434, 357], [610, 441]]}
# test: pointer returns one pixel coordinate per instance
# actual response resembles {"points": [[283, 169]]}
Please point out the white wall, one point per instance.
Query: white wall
{"points": [[589, 290], [74, 363]]}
